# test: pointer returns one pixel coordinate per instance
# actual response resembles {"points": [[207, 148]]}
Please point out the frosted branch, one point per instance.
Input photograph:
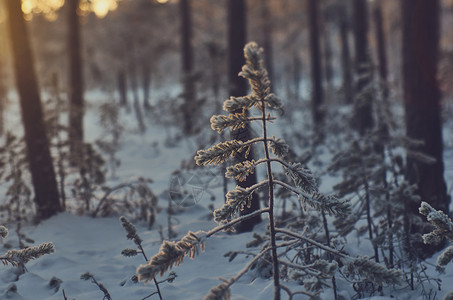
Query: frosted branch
{"points": [[330, 204]]}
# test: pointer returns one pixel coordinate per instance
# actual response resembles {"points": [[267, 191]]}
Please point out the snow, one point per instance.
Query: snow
{"points": [[85, 244]]}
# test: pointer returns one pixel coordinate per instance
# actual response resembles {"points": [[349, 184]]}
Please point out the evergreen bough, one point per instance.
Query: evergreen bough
{"points": [[443, 229], [20, 257]]}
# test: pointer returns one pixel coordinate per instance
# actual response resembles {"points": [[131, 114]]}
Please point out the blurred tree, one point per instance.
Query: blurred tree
{"points": [[316, 68], [328, 68], [76, 102], [363, 118], [238, 87], [131, 55], [3, 78], [122, 87], [422, 98], [380, 39], [38, 154], [187, 64], [146, 83], [343, 21], [267, 38]]}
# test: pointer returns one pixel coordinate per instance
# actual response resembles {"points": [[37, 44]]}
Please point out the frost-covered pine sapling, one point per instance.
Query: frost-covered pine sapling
{"points": [[88, 276], [132, 235], [173, 253]]}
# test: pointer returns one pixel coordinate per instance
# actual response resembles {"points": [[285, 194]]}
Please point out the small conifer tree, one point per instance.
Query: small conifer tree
{"points": [[304, 185]]}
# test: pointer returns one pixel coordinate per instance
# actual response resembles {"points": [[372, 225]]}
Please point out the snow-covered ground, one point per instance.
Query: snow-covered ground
{"points": [[84, 244]]}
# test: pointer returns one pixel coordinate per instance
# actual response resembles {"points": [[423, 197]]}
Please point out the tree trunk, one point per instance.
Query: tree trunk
{"points": [[238, 87], [267, 40], [187, 65], [316, 71], [363, 118], [122, 87], [422, 97], [297, 76], [380, 39], [3, 94], [146, 72], [328, 57], [346, 60], [38, 153], [76, 103]]}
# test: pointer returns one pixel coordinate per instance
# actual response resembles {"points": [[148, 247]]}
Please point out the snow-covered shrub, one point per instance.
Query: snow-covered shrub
{"points": [[374, 178], [17, 204], [134, 199], [110, 142], [133, 235]]}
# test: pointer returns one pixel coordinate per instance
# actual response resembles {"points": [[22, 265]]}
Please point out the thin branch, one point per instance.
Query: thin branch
{"points": [[260, 118], [291, 294], [313, 242], [235, 221], [110, 191], [244, 270]]}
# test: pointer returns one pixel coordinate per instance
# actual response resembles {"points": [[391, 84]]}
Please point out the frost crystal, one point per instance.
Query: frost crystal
{"points": [[131, 231], [219, 292], [21, 257], [278, 146], [374, 272], [237, 199], [302, 177], [219, 153], [240, 171], [171, 254]]}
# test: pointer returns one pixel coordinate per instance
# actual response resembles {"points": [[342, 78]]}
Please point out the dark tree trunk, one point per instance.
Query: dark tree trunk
{"points": [[363, 118], [38, 153], [134, 87], [187, 65], [3, 95], [238, 87], [76, 102], [146, 72], [346, 60], [297, 76], [422, 97], [316, 71], [382, 63], [122, 87], [267, 39], [327, 57], [380, 39]]}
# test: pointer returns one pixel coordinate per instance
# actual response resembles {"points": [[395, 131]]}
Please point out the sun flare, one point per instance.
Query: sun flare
{"points": [[102, 7], [46, 7], [49, 8]]}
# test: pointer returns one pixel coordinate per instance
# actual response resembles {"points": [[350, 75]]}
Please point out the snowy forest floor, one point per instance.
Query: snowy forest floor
{"points": [[85, 244]]}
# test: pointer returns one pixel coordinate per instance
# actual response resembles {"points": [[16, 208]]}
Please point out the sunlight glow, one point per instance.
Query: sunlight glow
{"points": [[49, 8], [102, 7], [162, 1], [46, 7]]}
